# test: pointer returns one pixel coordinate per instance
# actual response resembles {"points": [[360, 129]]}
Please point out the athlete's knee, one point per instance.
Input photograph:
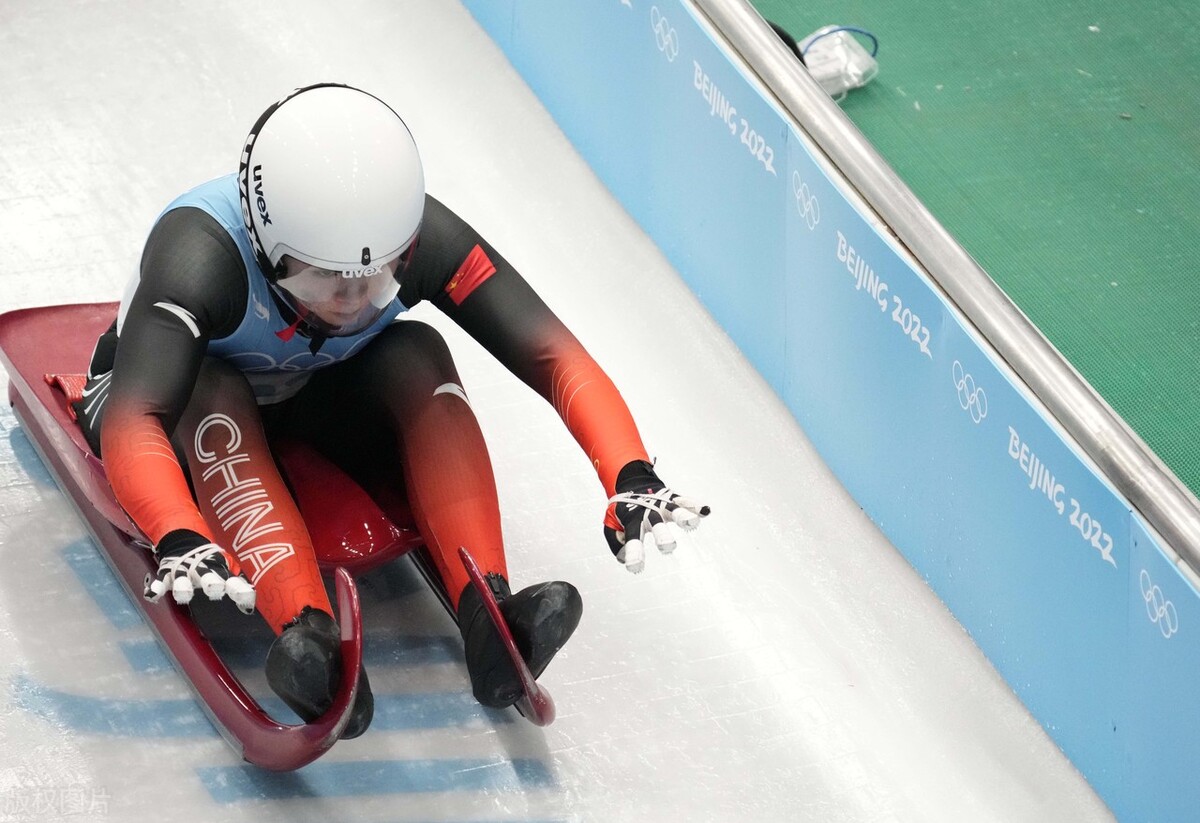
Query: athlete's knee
{"points": [[414, 337], [415, 353]]}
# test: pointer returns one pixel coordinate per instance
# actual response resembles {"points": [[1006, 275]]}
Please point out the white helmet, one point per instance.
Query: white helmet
{"points": [[332, 194]]}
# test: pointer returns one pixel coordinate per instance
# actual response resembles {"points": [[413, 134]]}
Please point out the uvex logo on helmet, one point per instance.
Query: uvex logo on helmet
{"points": [[244, 191], [258, 193], [365, 271]]}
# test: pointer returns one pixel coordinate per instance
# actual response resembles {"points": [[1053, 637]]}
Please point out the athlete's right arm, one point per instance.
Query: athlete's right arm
{"points": [[191, 278]]}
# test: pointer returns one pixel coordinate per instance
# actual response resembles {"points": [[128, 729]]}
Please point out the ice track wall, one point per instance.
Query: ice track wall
{"points": [[1061, 584]]}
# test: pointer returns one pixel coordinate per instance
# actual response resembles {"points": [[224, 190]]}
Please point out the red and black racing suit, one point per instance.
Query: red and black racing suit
{"points": [[380, 414]]}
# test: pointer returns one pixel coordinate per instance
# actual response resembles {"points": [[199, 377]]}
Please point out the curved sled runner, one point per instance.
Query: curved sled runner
{"points": [[350, 532]]}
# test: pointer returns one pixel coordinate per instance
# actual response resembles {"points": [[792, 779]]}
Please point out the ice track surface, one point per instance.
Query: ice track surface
{"points": [[784, 664]]}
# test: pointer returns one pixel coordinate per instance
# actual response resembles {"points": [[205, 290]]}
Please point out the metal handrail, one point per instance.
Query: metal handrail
{"points": [[1129, 464]]}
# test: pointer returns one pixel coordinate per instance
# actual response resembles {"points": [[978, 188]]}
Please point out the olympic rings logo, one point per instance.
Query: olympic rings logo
{"points": [[972, 398], [256, 361], [664, 35], [806, 202], [1160, 610]]}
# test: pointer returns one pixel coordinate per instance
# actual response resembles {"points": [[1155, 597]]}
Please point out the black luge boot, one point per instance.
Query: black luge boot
{"points": [[541, 618], [304, 668]]}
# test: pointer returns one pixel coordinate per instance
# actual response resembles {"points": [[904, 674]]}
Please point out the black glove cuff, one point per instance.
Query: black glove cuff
{"points": [[638, 476], [179, 542]]}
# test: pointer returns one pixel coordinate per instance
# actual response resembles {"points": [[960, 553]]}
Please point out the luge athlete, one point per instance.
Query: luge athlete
{"points": [[269, 304]]}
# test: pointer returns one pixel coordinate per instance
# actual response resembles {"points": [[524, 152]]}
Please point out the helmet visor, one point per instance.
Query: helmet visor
{"points": [[339, 302]]}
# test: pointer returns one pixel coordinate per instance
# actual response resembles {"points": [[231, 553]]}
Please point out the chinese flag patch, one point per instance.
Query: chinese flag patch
{"points": [[472, 274]]}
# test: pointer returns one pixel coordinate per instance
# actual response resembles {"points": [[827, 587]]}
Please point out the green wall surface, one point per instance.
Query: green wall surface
{"points": [[1059, 142]]}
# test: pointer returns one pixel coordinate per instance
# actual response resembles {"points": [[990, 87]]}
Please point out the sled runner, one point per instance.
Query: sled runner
{"points": [[350, 532], [536, 704]]}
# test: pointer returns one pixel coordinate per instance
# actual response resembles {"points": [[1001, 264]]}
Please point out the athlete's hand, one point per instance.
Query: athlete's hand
{"points": [[187, 561], [641, 509]]}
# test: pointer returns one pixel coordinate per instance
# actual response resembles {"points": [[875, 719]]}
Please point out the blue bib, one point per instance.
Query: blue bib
{"points": [[276, 368]]}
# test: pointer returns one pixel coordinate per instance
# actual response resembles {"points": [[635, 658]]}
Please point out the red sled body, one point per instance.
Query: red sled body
{"points": [[350, 533]]}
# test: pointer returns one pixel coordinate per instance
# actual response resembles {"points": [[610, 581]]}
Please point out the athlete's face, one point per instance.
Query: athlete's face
{"points": [[340, 299], [347, 298]]}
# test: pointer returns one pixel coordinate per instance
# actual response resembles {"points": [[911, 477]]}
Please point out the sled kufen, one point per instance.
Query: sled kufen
{"points": [[351, 534]]}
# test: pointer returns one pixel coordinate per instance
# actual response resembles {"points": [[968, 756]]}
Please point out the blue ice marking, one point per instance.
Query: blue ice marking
{"points": [[98, 581], [184, 718], [99, 715], [411, 649], [27, 457], [406, 712], [233, 784], [433, 710], [146, 656]]}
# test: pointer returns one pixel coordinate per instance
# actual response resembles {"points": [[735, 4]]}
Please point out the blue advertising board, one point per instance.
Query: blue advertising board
{"points": [[1075, 602]]}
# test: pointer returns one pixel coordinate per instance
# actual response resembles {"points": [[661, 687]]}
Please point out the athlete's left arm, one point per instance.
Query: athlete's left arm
{"points": [[467, 279]]}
